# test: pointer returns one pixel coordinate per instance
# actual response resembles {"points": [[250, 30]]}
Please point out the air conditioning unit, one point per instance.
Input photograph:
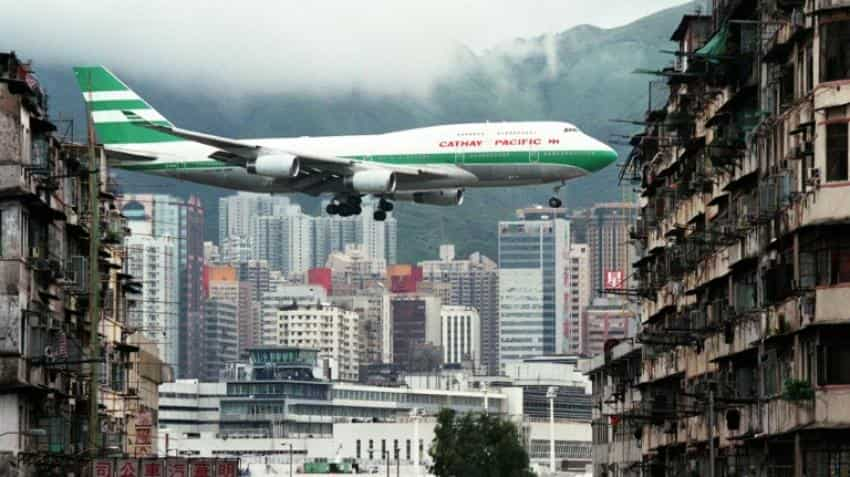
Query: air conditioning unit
{"points": [[813, 177]]}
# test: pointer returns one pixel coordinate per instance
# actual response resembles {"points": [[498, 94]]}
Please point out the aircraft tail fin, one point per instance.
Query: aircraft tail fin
{"points": [[108, 100]]}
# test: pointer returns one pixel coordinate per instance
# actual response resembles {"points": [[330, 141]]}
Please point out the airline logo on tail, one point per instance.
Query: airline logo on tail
{"points": [[114, 108]]}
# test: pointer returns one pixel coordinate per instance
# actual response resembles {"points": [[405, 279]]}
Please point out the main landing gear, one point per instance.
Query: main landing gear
{"points": [[384, 206], [555, 201], [353, 205]]}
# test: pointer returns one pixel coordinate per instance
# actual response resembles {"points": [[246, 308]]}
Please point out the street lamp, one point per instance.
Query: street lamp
{"points": [[416, 413], [551, 394]]}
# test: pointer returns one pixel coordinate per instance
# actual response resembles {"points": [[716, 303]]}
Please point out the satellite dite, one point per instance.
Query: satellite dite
{"points": [[429, 165]]}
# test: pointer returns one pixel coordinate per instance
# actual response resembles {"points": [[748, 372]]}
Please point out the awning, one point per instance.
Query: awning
{"points": [[716, 47]]}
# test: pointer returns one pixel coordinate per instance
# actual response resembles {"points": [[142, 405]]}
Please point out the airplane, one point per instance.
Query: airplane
{"points": [[429, 165]]}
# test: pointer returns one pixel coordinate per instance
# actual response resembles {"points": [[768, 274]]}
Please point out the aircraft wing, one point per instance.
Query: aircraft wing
{"points": [[241, 153]]}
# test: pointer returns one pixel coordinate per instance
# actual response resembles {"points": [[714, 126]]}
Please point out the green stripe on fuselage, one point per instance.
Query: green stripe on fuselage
{"points": [[590, 161]]}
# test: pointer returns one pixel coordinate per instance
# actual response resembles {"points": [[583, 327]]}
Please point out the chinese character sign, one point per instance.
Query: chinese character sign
{"points": [[200, 468], [177, 468], [127, 468], [614, 279], [153, 468], [227, 468], [103, 468]]}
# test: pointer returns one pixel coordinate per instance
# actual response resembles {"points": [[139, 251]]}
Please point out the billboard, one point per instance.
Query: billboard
{"points": [[165, 467], [614, 280]]}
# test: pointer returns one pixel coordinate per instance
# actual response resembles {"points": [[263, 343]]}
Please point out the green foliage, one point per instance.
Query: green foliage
{"points": [[796, 390], [477, 445]]}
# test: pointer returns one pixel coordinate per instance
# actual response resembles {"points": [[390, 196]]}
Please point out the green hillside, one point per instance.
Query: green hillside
{"points": [[591, 84]]}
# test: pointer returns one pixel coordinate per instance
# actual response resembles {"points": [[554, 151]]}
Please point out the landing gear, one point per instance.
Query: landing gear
{"points": [[555, 201], [385, 205], [345, 208]]}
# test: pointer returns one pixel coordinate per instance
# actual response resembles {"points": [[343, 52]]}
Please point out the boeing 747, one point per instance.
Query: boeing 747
{"points": [[429, 165]]}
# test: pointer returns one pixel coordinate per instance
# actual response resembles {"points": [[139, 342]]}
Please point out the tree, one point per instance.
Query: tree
{"points": [[477, 445]]}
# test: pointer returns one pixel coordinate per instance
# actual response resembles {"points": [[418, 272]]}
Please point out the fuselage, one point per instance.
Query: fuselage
{"points": [[480, 154]]}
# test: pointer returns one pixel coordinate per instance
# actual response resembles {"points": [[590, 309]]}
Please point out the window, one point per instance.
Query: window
{"points": [[835, 51], [833, 356], [836, 152]]}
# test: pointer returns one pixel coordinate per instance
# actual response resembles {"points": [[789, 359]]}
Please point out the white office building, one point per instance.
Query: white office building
{"points": [[461, 333]]}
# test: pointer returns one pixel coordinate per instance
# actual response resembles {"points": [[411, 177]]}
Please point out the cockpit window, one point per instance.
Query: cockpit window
{"points": [[568, 130]]}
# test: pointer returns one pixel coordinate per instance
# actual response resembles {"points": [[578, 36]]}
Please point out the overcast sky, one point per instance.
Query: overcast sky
{"points": [[382, 45]]}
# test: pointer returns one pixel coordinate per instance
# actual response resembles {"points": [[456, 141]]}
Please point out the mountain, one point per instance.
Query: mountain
{"points": [[583, 75]]}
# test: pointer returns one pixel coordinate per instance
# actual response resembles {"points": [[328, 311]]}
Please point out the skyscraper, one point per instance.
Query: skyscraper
{"points": [[155, 313], [236, 212], [219, 342], [284, 241], [533, 254], [473, 282], [578, 296], [611, 252], [183, 221]]}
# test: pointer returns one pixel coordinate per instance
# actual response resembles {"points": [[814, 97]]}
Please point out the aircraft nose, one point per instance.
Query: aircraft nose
{"points": [[609, 154], [603, 154]]}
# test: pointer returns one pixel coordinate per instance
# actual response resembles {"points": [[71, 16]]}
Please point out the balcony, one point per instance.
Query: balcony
{"points": [[831, 305], [831, 4], [829, 203]]}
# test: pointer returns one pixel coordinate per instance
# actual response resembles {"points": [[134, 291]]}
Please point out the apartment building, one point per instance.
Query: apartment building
{"points": [[744, 259]]}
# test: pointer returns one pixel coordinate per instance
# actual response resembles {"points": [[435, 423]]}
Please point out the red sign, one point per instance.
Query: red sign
{"points": [[614, 279], [143, 436], [228, 468], [176, 468], [128, 468], [153, 468], [201, 468], [103, 468]]}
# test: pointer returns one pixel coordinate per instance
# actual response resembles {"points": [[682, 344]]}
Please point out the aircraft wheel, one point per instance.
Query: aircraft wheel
{"points": [[555, 203], [332, 209], [386, 205], [380, 215], [356, 210]]}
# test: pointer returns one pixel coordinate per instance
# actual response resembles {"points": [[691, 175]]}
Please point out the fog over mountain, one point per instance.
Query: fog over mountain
{"points": [[582, 75]]}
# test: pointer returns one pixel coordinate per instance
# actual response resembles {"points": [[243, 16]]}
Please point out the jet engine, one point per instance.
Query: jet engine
{"points": [[372, 181], [443, 197], [279, 166]]}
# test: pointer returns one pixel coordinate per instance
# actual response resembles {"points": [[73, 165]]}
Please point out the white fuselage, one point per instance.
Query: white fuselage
{"points": [[476, 154]]}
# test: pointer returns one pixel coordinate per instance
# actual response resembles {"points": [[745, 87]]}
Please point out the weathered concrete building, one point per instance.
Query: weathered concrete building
{"points": [[48, 363], [745, 257]]}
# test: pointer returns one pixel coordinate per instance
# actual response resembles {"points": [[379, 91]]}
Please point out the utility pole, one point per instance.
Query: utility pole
{"points": [[711, 450], [387, 456], [94, 283], [290, 459]]}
